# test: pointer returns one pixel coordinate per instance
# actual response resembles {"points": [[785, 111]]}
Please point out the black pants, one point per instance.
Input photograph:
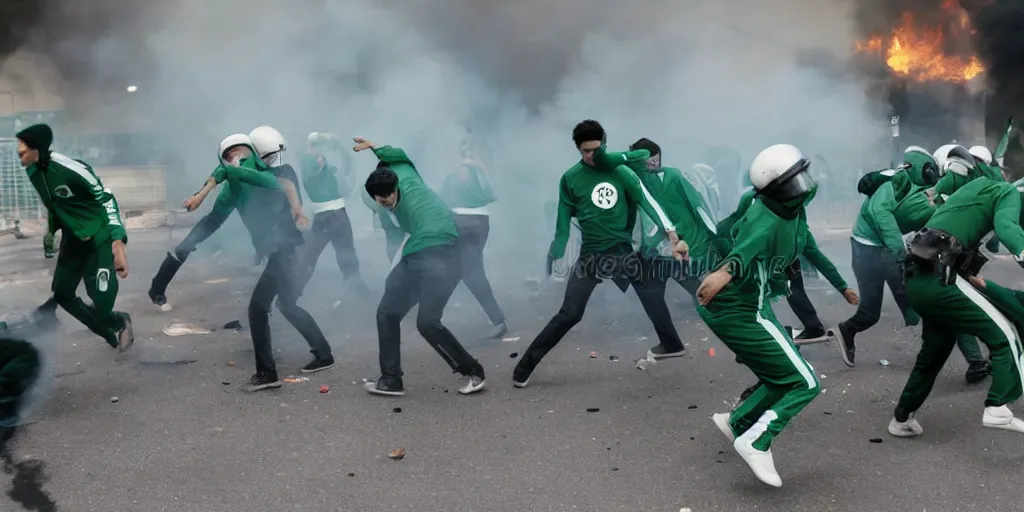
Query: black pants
{"points": [[206, 226], [873, 269], [473, 231], [280, 279], [427, 277], [335, 228], [799, 302], [625, 270]]}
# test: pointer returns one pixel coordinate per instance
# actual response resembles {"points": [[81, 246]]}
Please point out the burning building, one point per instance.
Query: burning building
{"points": [[926, 69]]}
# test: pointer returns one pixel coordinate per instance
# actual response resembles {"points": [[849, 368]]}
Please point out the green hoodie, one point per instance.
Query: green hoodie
{"points": [[75, 200], [468, 190], [980, 207]]}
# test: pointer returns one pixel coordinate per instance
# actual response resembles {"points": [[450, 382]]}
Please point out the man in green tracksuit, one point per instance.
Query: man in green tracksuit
{"points": [[604, 194], [901, 205], [93, 242], [687, 210], [331, 223], [468, 192], [735, 304], [425, 271], [944, 256]]}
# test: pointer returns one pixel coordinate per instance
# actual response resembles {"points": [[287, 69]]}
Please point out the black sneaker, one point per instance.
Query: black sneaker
{"points": [[126, 336], [812, 334], [319, 364], [750, 391], [499, 331], [847, 348], [385, 387], [520, 377], [158, 298], [977, 371], [660, 352], [263, 380]]}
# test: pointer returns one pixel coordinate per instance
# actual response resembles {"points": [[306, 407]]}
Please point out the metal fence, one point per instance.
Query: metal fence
{"points": [[18, 199]]}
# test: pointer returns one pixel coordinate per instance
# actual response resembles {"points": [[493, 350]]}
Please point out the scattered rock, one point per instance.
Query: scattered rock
{"points": [[593, 355], [828, 413], [711, 352], [234, 324], [114, 399], [875, 440], [510, 339], [692, 407], [226, 382], [513, 355], [181, 329], [613, 358], [397, 454], [396, 410], [324, 389], [593, 409], [883, 362], [615, 469], [351, 474]]}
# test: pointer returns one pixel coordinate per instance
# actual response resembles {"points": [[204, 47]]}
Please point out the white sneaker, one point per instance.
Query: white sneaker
{"points": [[909, 428], [1002, 418], [761, 463], [473, 384], [722, 422]]}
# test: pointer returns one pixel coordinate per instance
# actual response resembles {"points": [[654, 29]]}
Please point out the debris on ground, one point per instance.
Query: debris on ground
{"points": [[513, 355], [593, 409], [644, 362], [397, 454], [234, 324], [691, 407], [181, 329], [593, 355], [231, 364], [292, 379], [114, 399], [218, 281], [875, 440], [396, 409], [883, 362], [324, 389], [711, 352], [510, 339], [351, 474], [226, 382], [613, 358], [166, 308]]}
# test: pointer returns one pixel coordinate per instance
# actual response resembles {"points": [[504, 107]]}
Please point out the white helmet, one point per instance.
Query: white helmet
{"points": [[915, 149], [235, 139], [958, 161], [940, 157], [267, 140], [981, 153], [780, 172]]}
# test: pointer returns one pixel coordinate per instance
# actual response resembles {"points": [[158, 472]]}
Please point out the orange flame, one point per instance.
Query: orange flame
{"points": [[917, 52]]}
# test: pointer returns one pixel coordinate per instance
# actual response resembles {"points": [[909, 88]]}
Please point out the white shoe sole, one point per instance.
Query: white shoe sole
{"points": [[328, 367], [469, 389], [261, 387], [1013, 425], [896, 430], [722, 422], [842, 348], [658, 357], [522, 384]]}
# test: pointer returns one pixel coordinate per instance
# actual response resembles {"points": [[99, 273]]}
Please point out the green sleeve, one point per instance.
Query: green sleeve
{"points": [[562, 224], [880, 208], [822, 263], [640, 196], [83, 177], [367, 200], [225, 203], [751, 240], [1006, 221], [253, 177], [611, 160], [726, 224], [309, 165], [390, 155]]}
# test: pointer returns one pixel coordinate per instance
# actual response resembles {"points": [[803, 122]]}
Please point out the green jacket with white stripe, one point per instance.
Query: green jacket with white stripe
{"points": [[75, 199], [604, 199], [806, 242], [686, 209]]}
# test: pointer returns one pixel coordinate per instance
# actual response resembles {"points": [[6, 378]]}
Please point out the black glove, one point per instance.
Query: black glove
{"points": [[547, 268]]}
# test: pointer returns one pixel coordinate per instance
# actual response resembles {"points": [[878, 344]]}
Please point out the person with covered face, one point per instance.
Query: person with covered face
{"points": [[265, 192], [327, 185], [93, 243], [425, 269], [902, 203], [943, 263], [468, 192], [735, 302], [686, 208], [604, 194]]}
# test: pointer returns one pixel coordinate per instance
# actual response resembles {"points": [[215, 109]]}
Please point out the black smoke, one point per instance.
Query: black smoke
{"points": [[1000, 36]]}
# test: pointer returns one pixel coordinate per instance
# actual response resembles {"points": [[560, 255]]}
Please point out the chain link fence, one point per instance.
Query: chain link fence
{"points": [[18, 199]]}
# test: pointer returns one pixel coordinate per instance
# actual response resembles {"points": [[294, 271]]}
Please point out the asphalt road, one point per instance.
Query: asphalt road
{"points": [[182, 435]]}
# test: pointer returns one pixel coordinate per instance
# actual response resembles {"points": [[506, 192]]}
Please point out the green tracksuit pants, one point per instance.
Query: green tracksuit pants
{"points": [[747, 325], [92, 262], [946, 311]]}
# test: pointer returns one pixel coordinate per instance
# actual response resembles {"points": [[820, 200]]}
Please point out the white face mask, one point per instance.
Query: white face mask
{"points": [[274, 160]]}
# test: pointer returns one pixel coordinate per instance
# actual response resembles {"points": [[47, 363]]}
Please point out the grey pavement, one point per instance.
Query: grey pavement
{"points": [[183, 436]]}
